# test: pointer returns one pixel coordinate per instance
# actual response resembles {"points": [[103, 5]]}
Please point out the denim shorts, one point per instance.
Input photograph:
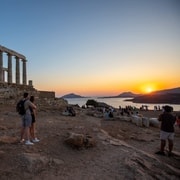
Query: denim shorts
{"points": [[166, 135], [26, 120]]}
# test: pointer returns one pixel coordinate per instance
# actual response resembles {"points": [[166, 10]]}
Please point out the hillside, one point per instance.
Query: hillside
{"points": [[168, 91], [169, 96], [127, 94]]}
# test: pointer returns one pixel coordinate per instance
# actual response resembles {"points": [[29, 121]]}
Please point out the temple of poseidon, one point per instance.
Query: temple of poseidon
{"points": [[13, 82]]}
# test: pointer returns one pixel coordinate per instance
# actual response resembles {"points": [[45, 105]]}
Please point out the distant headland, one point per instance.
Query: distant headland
{"points": [[169, 96]]}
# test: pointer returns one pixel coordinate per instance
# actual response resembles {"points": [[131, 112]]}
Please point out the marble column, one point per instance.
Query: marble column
{"points": [[17, 71], [5, 70], [9, 68], [3, 76], [1, 66], [24, 72]]}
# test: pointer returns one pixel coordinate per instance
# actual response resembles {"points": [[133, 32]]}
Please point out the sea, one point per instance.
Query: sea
{"points": [[116, 102]]}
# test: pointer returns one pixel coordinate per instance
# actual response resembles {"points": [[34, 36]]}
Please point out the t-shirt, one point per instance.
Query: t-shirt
{"points": [[167, 122], [27, 106]]}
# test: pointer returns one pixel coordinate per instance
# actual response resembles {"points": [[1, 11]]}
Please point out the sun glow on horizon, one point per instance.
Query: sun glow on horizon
{"points": [[148, 88]]}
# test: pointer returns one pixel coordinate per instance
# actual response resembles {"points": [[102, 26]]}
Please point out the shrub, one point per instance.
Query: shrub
{"points": [[91, 102]]}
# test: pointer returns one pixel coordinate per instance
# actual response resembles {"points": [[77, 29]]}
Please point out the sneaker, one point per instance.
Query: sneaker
{"points": [[29, 143], [35, 140], [22, 140], [160, 153]]}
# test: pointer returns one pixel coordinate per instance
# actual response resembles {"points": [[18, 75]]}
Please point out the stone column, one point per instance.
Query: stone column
{"points": [[17, 71], [1, 66], [24, 72], [9, 68], [3, 76], [4, 72]]}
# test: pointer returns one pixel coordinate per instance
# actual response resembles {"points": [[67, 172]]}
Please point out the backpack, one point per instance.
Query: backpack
{"points": [[20, 107]]}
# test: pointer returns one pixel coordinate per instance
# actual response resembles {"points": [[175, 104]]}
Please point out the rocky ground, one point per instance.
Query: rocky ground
{"points": [[122, 151]]}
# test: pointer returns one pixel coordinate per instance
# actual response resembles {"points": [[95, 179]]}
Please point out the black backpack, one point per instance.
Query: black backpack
{"points": [[20, 107]]}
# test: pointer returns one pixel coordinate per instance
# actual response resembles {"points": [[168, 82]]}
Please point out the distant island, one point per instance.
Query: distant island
{"points": [[123, 95], [72, 95]]}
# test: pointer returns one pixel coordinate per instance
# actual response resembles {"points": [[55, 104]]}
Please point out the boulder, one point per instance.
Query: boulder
{"points": [[80, 140], [137, 120], [145, 121], [154, 122]]}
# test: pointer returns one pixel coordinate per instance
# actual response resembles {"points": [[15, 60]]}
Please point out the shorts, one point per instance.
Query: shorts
{"points": [[26, 120], [166, 135], [33, 118]]}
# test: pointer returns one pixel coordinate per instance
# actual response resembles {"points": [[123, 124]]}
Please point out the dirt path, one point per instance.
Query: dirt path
{"points": [[122, 151]]}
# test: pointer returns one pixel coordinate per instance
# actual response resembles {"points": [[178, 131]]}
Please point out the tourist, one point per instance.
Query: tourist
{"points": [[71, 111], [167, 129], [32, 128], [27, 120]]}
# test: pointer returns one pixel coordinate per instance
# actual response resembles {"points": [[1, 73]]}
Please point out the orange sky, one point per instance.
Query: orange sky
{"points": [[92, 48]]}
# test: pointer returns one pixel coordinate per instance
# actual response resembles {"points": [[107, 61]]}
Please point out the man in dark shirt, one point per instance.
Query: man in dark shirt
{"points": [[167, 129]]}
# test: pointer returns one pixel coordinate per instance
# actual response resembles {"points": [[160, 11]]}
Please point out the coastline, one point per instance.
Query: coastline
{"points": [[116, 102]]}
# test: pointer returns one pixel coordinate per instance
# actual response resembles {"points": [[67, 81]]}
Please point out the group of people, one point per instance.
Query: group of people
{"points": [[28, 121], [167, 120], [108, 112]]}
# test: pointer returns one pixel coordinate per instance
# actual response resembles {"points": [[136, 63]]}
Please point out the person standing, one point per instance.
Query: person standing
{"points": [[27, 120], [167, 130], [32, 128]]}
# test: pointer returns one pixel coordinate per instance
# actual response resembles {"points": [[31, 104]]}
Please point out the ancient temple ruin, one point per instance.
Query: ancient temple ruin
{"points": [[13, 85], [13, 81], [19, 59]]}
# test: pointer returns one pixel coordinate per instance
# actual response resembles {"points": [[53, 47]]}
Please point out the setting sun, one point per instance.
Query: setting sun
{"points": [[148, 89]]}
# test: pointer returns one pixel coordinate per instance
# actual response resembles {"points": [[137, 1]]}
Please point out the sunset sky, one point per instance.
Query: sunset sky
{"points": [[95, 47]]}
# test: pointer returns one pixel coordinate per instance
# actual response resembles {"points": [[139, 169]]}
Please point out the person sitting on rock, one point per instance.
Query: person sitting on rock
{"points": [[71, 111]]}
